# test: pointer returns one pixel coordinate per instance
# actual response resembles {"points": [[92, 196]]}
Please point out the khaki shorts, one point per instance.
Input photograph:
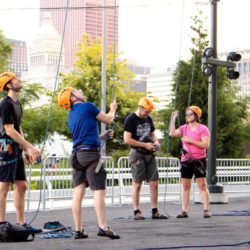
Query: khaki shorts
{"points": [[143, 167]]}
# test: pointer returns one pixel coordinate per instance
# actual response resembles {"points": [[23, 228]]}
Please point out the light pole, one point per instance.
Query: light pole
{"points": [[212, 107], [210, 64], [103, 96]]}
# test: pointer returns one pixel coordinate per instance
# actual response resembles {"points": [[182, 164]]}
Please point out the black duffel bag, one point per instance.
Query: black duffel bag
{"points": [[14, 233]]}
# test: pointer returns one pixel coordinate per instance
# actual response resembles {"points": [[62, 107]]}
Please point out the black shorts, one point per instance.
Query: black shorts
{"points": [[196, 168], [14, 171], [84, 170]]}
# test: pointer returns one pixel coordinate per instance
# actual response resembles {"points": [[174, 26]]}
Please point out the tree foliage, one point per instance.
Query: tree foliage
{"points": [[231, 109], [5, 52], [87, 77], [29, 94], [34, 119]]}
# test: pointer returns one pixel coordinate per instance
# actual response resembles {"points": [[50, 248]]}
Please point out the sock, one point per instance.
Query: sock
{"points": [[136, 211], [154, 210]]}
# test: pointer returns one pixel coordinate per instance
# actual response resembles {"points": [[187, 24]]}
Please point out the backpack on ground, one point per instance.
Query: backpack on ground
{"points": [[14, 233]]}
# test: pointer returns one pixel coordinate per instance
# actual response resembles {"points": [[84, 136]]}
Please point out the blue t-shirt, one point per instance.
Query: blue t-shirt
{"points": [[83, 124]]}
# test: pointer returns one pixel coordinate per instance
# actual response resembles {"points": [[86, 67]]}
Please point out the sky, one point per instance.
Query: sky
{"points": [[153, 33]]}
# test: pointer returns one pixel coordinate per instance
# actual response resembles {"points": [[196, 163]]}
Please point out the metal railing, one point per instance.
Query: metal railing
{"points": [[51, 186], [234, 175], [169, 179]]}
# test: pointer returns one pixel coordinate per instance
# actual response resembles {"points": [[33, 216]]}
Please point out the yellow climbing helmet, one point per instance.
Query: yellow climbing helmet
{"points": [[196, 110], [4, 78], [64, 98], [146, 103]]}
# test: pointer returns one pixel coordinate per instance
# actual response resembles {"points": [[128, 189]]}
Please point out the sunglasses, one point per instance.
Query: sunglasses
{"points": [[189, 114], [147, 112]]}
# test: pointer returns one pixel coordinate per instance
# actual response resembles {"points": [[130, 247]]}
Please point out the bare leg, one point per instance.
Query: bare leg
{"points": [[186, 187], [19, 200], [99, 200], [153, 186], [4, 189], [202, 185], [136, 194], [78, 195]]}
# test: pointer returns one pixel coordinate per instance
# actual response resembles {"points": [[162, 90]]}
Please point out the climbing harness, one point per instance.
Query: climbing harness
{"points": [[7, 151]]}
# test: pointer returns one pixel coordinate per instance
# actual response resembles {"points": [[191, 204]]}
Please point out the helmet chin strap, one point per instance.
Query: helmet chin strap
{"points": [[77, 98]]}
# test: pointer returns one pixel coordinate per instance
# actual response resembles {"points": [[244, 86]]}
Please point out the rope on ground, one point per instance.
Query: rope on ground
{"points": [[132, 218], [197, 246], [235, 213]]}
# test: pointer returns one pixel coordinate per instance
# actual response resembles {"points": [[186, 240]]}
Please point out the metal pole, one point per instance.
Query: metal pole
{"points": [[212, 107], [103, 96]]}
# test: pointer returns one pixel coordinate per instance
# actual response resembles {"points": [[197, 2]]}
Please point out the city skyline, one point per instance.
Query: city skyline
{"points": [[153, 33]]}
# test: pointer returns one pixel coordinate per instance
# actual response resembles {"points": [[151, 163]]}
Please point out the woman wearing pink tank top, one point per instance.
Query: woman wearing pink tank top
{"points": [[195, 142]]}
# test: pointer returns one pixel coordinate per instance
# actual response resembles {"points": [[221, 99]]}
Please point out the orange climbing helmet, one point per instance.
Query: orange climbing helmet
{"points": [[4, 78], [196, 110], [64, 98], [146, 103]]}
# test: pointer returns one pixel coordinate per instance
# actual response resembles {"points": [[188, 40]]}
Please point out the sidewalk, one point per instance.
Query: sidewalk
{"points": [[148, 234]]}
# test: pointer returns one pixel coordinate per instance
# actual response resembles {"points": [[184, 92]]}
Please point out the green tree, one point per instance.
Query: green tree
{"points": [[87, 77], [231, 112], [34, 119], [5, 52], [29, 94]]}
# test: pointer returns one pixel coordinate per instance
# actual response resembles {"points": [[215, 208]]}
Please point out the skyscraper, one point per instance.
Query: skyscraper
{"points": [[18, 61], [84, 16]]}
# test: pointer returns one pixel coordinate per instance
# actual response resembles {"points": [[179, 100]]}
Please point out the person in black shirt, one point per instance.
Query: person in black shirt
{"points": [[139, 134], [12, 143]]}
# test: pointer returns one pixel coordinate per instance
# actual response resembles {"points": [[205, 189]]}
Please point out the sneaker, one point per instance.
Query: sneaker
{"points": [[32, 229], [207, 214], [138, 215], [108, 233], [80, 235], [182, 215], [54, 226], [158, 216]]}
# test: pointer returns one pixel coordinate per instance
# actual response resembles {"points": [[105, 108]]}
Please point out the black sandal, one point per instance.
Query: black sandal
{"points": [[182, 215], [138, 215], [108, 233], [159, 216]]}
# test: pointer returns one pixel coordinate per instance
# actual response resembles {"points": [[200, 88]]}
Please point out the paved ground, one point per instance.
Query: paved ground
{"points": [[149, 234]]}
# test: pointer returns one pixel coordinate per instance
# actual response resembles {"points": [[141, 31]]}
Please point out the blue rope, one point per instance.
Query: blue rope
{"points": [[197, 246], [65, 234], [235, 213]]}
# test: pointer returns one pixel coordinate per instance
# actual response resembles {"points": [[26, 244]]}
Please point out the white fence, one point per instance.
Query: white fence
{"points": [[234, 175], [169, 179], [51, 186]]}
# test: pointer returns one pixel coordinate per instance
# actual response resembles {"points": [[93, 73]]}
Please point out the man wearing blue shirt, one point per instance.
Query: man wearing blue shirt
{"points": [[83, 124]]}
